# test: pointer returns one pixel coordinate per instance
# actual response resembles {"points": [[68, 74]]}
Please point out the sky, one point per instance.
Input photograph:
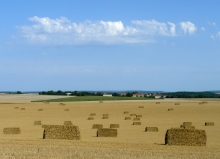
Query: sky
{"points": [[70, 45]]}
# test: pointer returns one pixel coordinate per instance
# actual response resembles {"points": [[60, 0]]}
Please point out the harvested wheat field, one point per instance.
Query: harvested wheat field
{"points": [[131, 142]]}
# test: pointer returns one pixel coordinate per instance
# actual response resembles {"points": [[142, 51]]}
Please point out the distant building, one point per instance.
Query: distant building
{"points": [[107, 95], [158, 96], [138, 95], [122, 94]]}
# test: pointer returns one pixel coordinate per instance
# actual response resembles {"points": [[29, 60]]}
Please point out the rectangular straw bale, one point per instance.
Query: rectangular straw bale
{"points": [[209, 123], [187, 127], [62, 104], [90, 118], [170, 109], [157, 102], [114, 125], [16, 107], [66, 109], [12, 130], [40, 109], [138, 116], [151, 129], [69, 132], [97, 126], [201, 103], [141, 106], [37, 122], [187, 123], [127, 118], [22, 108], [185, 137], [132, 114], [136, 123], [107, 132], [68, 123], [136, 119], [177, 103], [93, 114], [106, 115], [126, 112]]}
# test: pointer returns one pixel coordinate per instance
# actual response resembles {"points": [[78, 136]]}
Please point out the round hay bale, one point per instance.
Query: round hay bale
{"points": [[209, 123], [66, 110], [90, 118], [151, 129], [40, 109], [93, 114], [114, 125], [127, 118], [126, 112], [170, 109], [138, 116], [22, 108], [68, 123], [37, 122], [141, 106], [136, 123], [136, 119], [105, 117], [97, 126], [132, 114]]}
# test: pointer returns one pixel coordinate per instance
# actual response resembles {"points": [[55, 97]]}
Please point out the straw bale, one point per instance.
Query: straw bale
{"points": [[107, 132], [170, 109], [187, 123], [37, 122], [141, 106], [136, 123], [132, 114], [127, 118], [138, 116], [22, 108], [93, 114], [12, 130], [105, 117], [177, 103], [114, 125], [97, 126], [187, 127], [68, 123], [151, 129], [68, 132], [90, 118], [62, 104], [40, 109], [201, 103], [136, 119], [16, 107], [66, 109], [157, 102], [185, 137], [126, 112], [209, 123]]}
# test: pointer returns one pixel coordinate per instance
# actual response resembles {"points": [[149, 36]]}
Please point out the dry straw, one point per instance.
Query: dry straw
{"points": [[126, 112], [37, 122], [136, 119], [151, 129], [138, 116], [114, 125], [90, 118], [97, 126], [127, 118], [93, 114], [136, 123], [40, 109], [141, 106], [61, 132], [68, 123], [170, 109], [107, 132], [185, 137], [177, 103], [12, 130], [209, 123]]}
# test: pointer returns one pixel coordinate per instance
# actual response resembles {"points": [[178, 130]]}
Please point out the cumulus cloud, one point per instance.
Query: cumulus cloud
{"points": [[188, 27], [216, 36], [65, 32]]}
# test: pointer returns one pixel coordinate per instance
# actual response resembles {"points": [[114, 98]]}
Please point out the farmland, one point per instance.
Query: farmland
{"points": [[131, 142]]}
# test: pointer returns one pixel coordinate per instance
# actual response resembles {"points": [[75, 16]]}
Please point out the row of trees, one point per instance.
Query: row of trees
{"points": [[192, 95]]}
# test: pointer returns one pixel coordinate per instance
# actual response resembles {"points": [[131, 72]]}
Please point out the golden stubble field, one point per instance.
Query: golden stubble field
{"points": [[132, 140]]}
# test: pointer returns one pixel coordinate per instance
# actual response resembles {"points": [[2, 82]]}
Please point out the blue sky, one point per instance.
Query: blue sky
{"points": [[109, 45]]}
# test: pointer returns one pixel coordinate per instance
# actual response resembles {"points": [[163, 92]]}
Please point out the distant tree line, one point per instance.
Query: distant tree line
{"points": [[192, 95], [75, 93]]}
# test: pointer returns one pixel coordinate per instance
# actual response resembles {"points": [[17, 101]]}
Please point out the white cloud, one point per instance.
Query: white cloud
{"points": [[212, 23], [216, 36], [202, 28], [62, 31], [188, 27]]}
